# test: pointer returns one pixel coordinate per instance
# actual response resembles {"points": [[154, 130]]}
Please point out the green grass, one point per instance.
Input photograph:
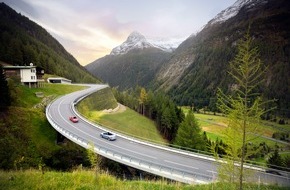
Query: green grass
{"points": [[285, 154], [42, 134], [277, 126], [128, 122], [213, 136], [100, 100], [40, 130], [26, 135], [215, 124], [27, 97], [89, 180]]}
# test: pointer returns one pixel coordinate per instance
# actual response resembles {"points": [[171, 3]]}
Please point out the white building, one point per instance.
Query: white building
{"points": [[28, 75]]}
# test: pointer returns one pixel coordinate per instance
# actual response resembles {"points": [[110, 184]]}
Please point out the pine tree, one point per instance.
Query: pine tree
{"points": [[189, 133], [275, 160], [5, 100]]}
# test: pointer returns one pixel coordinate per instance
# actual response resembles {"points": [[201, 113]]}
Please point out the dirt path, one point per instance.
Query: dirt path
{"points": [[119, 109]]}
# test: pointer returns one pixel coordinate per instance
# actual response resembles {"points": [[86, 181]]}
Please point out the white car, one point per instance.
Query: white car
{"points": [[108, 135]]}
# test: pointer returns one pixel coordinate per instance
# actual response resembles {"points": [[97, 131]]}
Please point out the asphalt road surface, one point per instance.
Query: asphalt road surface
{"points": [[158, 160]]}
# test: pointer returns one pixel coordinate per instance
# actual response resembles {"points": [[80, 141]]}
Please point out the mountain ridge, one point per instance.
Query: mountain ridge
{"points": [[234, 9], [192, 73], [138, 41], [211, 50], [24, 41], [137, 67]]}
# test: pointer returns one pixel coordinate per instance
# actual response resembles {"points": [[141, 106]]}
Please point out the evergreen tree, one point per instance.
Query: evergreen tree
{"points": [[243, 109], [189, 133], [4, 91], [275, 160]]}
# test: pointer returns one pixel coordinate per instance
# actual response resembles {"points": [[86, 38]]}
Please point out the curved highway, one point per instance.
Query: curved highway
{"points": [[163, 161]]}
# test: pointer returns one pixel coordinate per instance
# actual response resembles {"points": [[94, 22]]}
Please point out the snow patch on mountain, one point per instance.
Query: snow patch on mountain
{"points": [[137, 41], [233, 10], [166, 44], [134, 41]]}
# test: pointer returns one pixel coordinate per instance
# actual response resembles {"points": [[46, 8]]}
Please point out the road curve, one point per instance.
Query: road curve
{"points": [[163, 161]]}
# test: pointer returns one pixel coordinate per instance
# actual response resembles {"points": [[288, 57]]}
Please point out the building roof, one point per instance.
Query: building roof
{"points": [[19, 67], [58, 78]]}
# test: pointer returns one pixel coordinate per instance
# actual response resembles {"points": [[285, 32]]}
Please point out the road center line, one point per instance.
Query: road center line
{"points": [[94, 137], [180, 164]]}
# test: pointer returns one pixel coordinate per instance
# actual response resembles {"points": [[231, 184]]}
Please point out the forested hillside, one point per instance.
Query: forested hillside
{"points": [[192, 74], [199, 66], [135, 68], [23, 42]]}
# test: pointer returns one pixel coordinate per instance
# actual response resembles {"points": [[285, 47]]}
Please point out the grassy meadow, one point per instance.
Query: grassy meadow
{"points": [[25, 97], [128, 122], [89, 180], [215, 124]]}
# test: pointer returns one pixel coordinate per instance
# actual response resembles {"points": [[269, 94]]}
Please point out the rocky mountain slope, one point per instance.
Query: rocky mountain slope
{"points": [[192, 73], [23, 42], [199, 64], [134, 62]]}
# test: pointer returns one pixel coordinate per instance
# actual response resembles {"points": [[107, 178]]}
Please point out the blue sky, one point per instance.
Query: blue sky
{"points": [[90, 29]]}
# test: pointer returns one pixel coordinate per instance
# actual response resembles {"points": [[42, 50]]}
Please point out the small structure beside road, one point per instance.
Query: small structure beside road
{"points": [[58, 80]]}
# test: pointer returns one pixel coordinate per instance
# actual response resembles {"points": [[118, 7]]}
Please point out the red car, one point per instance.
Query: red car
{"points": [[74, 119]]}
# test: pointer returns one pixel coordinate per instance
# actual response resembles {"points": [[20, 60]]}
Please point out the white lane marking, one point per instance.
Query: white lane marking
{"points": [[94, 137], [180, 164], [210, 171]]}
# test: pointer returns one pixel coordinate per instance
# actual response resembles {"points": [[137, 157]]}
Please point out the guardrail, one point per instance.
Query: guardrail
{"points": [[151, 167]]}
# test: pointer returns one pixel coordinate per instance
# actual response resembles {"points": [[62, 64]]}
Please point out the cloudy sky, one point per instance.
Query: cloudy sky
{"points": [[90, 29]]}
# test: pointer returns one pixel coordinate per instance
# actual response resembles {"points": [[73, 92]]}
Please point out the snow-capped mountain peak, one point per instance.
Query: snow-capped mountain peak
{"points": [[134, 41], [233, 10], [137, 41], [135, 36]]}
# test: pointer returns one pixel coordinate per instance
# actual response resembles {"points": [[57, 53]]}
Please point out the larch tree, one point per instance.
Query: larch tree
{"points": [[243, 108], [93, 158], [143, 100]]}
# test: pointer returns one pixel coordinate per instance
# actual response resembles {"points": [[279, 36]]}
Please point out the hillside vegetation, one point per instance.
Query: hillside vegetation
{"points": [[207, 55], [194, 71], [137, 67], [100, 100], [23, 42], [82, 179], [27, 139], [123, 120]]}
